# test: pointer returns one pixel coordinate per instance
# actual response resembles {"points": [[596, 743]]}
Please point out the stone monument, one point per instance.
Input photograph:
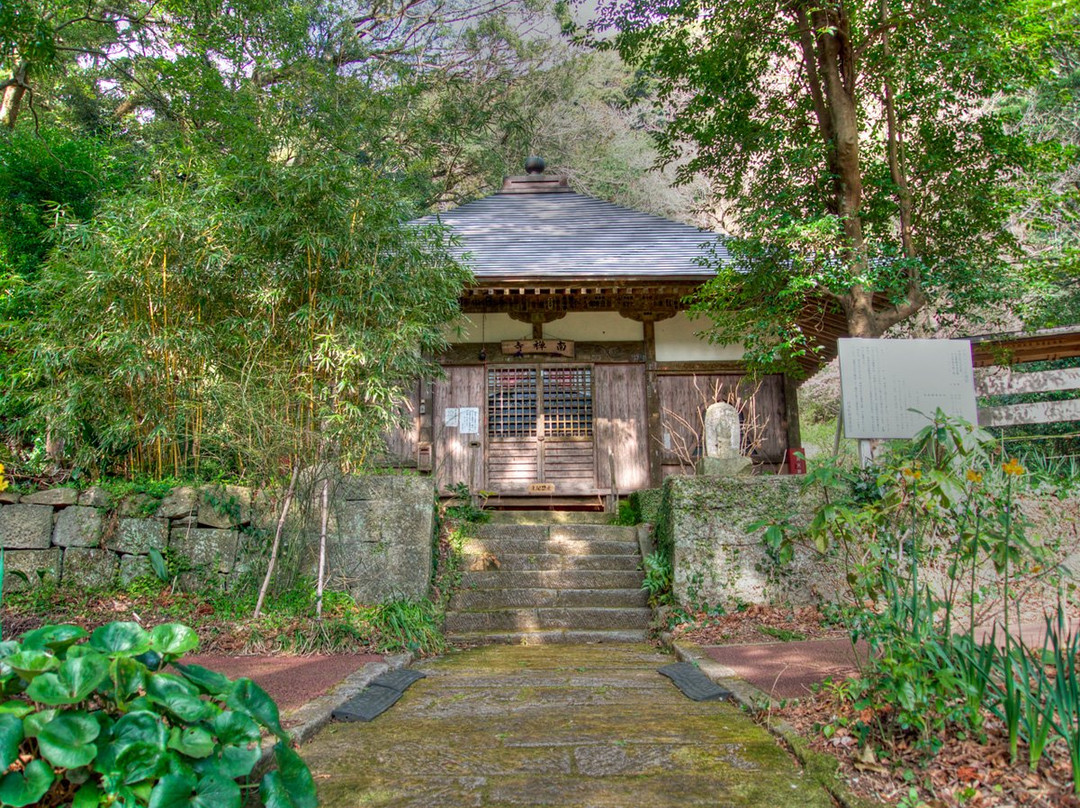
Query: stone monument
{"points": [[722, 443]]}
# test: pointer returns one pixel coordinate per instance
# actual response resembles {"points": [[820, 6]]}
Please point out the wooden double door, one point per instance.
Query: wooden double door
{"points": [[543, 429]]}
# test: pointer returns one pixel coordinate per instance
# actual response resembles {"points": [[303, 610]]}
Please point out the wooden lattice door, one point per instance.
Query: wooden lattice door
{"points": [[540, 428]]}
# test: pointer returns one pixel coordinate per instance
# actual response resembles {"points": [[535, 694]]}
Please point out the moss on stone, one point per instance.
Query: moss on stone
{"points": [[555, 725]]}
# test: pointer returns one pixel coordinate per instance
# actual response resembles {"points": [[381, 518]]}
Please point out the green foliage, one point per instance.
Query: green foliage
{"points": [[659, 578], [407, 625], [465, 506], [627, 515], [863, 167], [98, 713]]}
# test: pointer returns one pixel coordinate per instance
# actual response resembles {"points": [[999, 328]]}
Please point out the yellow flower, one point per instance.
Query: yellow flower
{"points": [[914, 474], [3, 482], [974, 476], [1013, 467]]}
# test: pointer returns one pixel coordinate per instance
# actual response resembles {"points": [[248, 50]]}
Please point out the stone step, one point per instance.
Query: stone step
{"points": [[570, 533], [543, 619], [551, 579], [548, 561], [485, 599], [558, 637], [549, 518], [519, 546]]}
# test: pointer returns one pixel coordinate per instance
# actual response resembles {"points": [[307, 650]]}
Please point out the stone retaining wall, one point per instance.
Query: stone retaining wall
{"points": [[718, 559], [379, 543]]}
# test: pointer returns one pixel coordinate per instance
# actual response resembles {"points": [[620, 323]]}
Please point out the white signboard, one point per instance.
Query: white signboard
{"points": [[450, 416], [890, 388], [469, 420]]}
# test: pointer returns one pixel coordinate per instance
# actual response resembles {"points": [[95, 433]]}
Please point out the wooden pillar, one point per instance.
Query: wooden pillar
{"points": [[654, 434], [791, 413]]}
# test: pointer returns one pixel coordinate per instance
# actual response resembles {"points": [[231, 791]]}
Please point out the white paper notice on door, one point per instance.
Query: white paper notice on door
{"points": [[469, 420], [450, 416]]}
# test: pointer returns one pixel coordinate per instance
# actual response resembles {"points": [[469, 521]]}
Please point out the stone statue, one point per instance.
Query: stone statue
{"points": [[722, 443]]}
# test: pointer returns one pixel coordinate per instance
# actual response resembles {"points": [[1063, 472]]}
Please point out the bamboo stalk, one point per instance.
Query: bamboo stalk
{"points": [[277, 538]]}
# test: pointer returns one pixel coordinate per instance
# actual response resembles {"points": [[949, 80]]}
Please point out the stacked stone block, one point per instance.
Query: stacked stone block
{"points": [[379, 544]]}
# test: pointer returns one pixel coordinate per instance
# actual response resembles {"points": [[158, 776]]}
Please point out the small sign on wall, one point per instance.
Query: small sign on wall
{"points": [[469, 420], [542, 488], [450, 416]]}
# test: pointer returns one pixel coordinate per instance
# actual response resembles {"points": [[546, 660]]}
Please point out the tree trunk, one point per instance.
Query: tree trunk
{"points": [[322, 546], [11, 101]]}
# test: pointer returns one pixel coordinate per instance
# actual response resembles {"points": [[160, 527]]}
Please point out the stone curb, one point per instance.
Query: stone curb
{"points": [[315, 715], [823, 768]]}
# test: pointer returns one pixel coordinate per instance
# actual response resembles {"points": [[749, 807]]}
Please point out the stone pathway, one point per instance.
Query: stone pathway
{"points": [[572, 726]]}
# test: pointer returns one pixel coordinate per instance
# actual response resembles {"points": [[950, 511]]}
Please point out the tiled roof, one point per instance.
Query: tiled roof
{"points": [[536, 228]]}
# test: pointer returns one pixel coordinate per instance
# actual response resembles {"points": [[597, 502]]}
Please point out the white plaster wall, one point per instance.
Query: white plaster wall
{"points": [[496, 328], [595, 326], [600, 326], [677, 341]]}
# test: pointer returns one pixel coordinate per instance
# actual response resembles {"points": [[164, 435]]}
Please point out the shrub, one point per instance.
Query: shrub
{"points": [[94, 719]]}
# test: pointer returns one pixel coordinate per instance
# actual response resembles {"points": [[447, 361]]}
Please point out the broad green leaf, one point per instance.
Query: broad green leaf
{"points": [[273, 793], [11, 735], [139, 762], [68, 740], [55, 638], [121, 639], [88, 796], [195, 742], [33, 722], [249, 698], [31, 662], [143, 726], [128, 678], [212, 791], [16, 707], [179, 697], [157, 562], [75, 680], [152, 660], [18, 789], [9, 647], [238, 739], [209, 681], [295, 776], [173, 639]]}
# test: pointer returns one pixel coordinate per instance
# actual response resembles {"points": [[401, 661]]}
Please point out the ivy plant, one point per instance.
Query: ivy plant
{"points": [[113, 717]]}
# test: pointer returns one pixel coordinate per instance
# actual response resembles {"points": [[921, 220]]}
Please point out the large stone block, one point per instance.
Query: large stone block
{"points": [[179, 503], [224, 506], [89, 567], [9, 498], [79, 526], [380, 539], [139, 535], [137, 505], [95, 497], [719, 559], [134, 566], [26, 527], [30, 563], [52, 496], [206, 548]]}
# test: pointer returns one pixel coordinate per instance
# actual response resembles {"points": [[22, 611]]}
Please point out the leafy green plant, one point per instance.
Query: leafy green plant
{"points": [[658, 579], [406, 625], [98, 716], [465, 507]]}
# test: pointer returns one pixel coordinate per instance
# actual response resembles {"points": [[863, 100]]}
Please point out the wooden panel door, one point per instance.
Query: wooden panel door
{"points": [[622, 423], [540, 428], [458, 457]]}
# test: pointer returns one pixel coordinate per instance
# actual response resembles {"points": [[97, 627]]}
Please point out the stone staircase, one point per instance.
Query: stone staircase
{"points": [[549, 577]]}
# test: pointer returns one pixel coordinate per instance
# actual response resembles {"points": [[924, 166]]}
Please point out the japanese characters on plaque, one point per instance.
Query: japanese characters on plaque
{"points": [[549, 347], [891, 388]]}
